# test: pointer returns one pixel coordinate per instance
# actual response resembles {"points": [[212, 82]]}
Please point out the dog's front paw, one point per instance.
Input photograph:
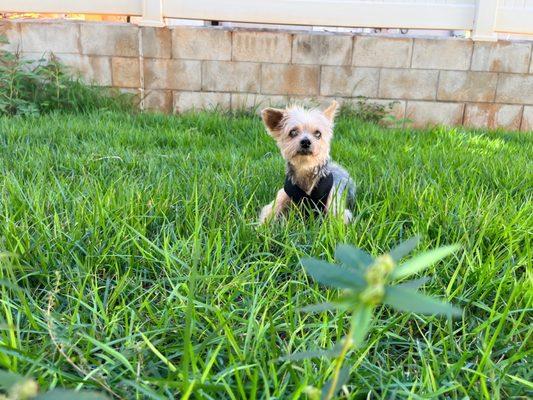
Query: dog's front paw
{"points": [[348, 216], [266, 214]]}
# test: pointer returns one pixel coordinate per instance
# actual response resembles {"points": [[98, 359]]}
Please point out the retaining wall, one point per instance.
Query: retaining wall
{"points": [[435, 81]]}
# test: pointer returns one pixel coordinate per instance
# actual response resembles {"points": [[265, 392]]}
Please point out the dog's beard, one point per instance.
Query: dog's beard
{"points": [[304, 152]]}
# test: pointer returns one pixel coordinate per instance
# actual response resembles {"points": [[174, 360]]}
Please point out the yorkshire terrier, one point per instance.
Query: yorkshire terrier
{"points": [[312, 180]]}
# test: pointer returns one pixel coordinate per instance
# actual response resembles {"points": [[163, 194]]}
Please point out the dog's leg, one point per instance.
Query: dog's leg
{"points": [[275, 208]]}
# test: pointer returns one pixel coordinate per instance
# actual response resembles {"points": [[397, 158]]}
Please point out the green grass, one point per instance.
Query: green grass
{"points": [[133, 262]]}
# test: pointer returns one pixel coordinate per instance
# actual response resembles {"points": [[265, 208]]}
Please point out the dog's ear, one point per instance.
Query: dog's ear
{"points": [[272, 118], [331, 111]]}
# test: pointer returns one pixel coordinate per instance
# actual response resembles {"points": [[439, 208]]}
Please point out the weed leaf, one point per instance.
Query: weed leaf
{"points": [[61, 394], [332, 275], [353, 257], [8, 379], [404, 248], [409, 300], [414, 284], [320, 307], [304, 355], [361, 319], [422, 261]]}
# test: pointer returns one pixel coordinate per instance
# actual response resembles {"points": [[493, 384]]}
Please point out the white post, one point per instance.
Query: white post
{"points": [[485, 21], [152, 13]]}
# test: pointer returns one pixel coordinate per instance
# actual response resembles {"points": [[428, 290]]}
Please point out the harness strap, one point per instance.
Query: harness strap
{"points": [[317, 199]]}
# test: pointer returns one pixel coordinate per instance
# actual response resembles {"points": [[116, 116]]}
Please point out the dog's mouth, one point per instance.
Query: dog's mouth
{"points": [[304, 152]]}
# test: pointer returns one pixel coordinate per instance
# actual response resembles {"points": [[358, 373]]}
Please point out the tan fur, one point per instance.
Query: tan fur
{"points": [[307, 123]]}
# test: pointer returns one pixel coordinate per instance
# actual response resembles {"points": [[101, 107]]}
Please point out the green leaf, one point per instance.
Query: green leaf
{"points": [[63, 394], [361, 320], [8, 379], [332, 275], [422, 261], [409, 300], [404, 248], [353, 257], [414, 284], [321, 307], [344, 374]]}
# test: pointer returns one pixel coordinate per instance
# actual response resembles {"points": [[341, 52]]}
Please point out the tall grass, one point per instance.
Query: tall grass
{"points": [[133, 263]]}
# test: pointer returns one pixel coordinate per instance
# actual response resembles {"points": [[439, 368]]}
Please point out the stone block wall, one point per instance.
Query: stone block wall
{"points": [[434, 81]]}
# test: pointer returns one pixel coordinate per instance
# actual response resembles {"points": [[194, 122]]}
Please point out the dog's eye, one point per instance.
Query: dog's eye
{"points": [[293, 132], [318, 134]]}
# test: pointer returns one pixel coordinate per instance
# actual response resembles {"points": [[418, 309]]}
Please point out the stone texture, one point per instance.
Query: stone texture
{"points": [[156, 42], [442, 54], [158, 100], [231, 76], [527, 119], [428, 113], [378, 51], [501, 56], [119, 40], [261, 46], [125, 72], [322, 49], [493, 116], [285, 79], [349, 81], [185, 101], [467, 86], [92, 69], [515, 89], [60, 37], [198, 43], [397, 107], [408, 84], [172, 74], [11, 32], [247, 101]]}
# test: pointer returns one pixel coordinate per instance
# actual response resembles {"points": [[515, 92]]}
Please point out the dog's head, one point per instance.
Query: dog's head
{"points": [[303, 136]]}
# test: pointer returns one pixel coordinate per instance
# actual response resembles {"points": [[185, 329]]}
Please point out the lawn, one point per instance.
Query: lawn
{"points": [[132, 262]]}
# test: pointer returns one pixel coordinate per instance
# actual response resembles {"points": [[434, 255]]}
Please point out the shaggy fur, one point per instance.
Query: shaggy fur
{"points": [[304, 137]]}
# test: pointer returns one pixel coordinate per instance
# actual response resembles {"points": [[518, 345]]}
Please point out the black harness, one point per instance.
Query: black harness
{"points": [[317, 199]]}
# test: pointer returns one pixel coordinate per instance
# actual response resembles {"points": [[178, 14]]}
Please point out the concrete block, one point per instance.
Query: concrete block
{"points": [[172, 74], [156, 42], [515, 89], [379, 51], [501, 56], [118, 40], [197, 43], [231, 76], [527, 120], [428, 113], [185, 101], [60, 37], [92, 69], [408, 84], [261, 46], [467, 86], [322, 49], [349, 81], [158, 100], [493, 116], [447, 53], [247, 101], [283, 79], [10, 30], [125, 72]]}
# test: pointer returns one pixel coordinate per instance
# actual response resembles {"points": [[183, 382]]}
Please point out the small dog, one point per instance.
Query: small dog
{"points": [[312, 179]]}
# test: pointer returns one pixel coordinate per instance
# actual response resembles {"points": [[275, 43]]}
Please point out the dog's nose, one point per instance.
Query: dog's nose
{"points": [[305, 143]]}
